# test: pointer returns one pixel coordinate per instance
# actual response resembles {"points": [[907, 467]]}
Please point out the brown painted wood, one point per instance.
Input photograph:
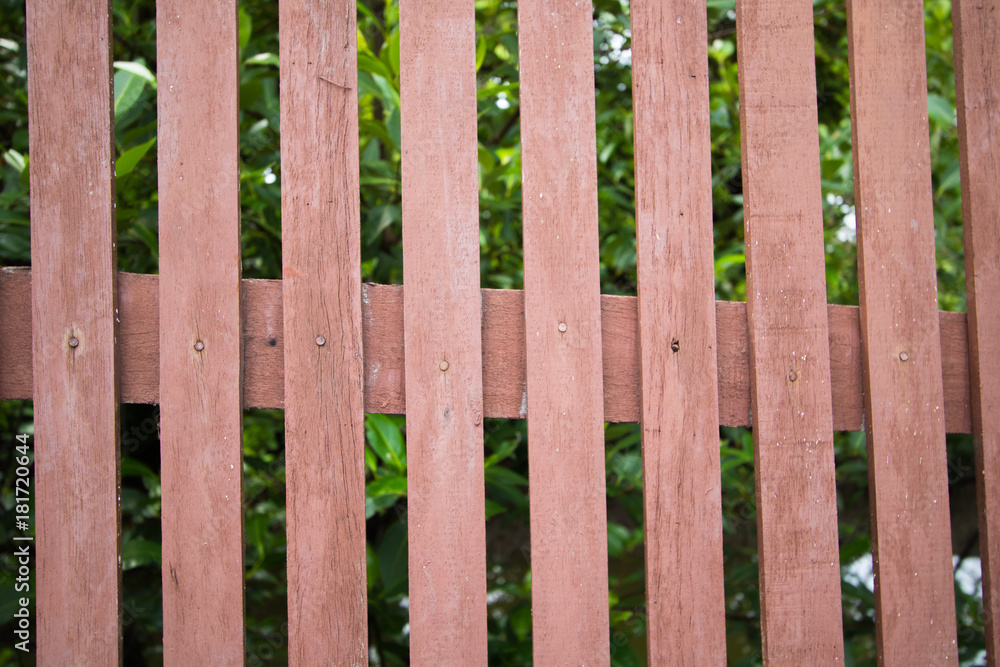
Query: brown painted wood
{"points": [[321, 269], [73, 302], [504, 366], [977, 84], [677, 339], [789, 335], [562, 309], [200, 338], [904, 394], [442, 316]]}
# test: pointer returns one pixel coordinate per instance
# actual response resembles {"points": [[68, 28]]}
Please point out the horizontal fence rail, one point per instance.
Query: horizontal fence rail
{"points": [[503, 352]]}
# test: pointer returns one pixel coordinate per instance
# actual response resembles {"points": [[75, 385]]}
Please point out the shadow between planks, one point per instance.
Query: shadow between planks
{"points": [[504, 365]]}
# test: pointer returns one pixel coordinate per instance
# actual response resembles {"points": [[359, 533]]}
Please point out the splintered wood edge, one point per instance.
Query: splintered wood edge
{"points": [[504, 365]]}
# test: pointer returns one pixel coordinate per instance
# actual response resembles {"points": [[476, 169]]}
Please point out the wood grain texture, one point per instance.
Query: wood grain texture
{"points": [[789, 335], [442, 323], [562, 312], [677, 339], [904, 394], [73, 302], [321, 269], [504, 366], [977, 84], [200, 338]]}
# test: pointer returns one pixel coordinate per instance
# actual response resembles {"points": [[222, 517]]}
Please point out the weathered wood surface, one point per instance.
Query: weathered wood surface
{"points": [[200, 339], [789, 335], [685, 598], [562, 314], [442, 313], [321, 269], [72, 315], [503, 352], [977, 83], [904, 396]]}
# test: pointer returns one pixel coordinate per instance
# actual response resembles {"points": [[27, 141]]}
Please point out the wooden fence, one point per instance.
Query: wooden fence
{"points": [[79, 338]]}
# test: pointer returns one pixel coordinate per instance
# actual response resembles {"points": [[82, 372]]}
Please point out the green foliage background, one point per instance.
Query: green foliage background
{"points": [[500, 238]]}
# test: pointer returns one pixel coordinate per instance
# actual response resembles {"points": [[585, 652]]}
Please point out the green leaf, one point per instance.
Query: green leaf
{"points": [[136, 68], [385, 438], [393, 46], [132, 468], [14, 217], [246, 28], [520, 622], [940, 110], [128, 90], [504, 477], [136, 553], [263, 59], [725, 262], [148, 237], [493, 508], [383, 486], [394, 127], [127, 161], [15, 160], [851, 551], [617, 537], [502, 452], [372, 65], [392, 558], [480, 51], [371, 17], [371, 559], [255, 532], [491, 91]]}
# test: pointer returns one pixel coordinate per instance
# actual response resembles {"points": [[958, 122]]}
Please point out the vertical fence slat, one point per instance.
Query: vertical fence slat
{"points": [[900, 332], [442, 317], [789, 335], [321, 266], [677, 337], [200, 341], [569, 550], [977, 84], [73, 332]]}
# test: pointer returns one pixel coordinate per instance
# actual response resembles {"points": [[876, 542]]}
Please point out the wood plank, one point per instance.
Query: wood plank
{"points": [[200, 338], [321, 269], [562, 312], [442, 316], [904, 394], [504, 366], [685, 596], [789, 335], [977, 85], [73, 302]]}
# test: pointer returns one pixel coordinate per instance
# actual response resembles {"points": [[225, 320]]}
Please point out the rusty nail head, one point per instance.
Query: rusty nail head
{"points": [[321, 341], [74, 341], [562, 327], [903, 356], [199, 346], [793, 376], [443, 365]]}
